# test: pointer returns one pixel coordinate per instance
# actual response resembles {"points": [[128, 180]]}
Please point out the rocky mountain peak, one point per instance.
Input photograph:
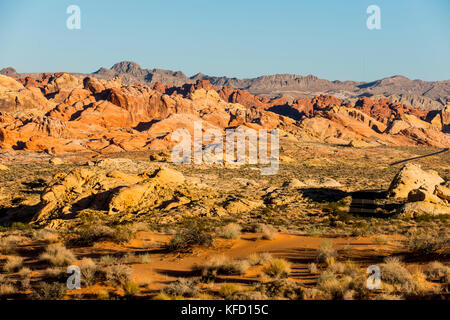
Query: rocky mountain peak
{"points": [[128, 67]]}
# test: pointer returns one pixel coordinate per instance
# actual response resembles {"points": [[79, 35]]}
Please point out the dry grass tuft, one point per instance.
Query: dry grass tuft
{"points": [[7, 289], [50, 236], [89, 271], [130, 289], [277, 268], [230, 231], [58, 255], [13, 264], [49, 291], [326, 252], [256, 259], [118, 274], [222, 265], [436, 271], [267, 230], [312, 268], [228, 290], [182, 287]]}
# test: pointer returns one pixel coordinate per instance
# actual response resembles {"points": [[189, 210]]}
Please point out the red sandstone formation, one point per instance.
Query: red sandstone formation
{"points": [[64, 113]]}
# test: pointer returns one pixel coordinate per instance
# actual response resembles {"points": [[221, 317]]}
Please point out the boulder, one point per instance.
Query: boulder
{"points": [[56, 161], [422, 195], [294, 184], [359, 144], [93, 85], [324, 182], [415, 209], [169, 176], [61, 81], [412, 177], [443, 192]]}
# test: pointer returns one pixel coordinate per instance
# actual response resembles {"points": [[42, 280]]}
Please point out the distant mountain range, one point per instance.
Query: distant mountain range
{"points": [[417, 93]]}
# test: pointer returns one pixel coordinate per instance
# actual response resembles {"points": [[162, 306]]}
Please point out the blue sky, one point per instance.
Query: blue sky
{"points": [[245, 38]]}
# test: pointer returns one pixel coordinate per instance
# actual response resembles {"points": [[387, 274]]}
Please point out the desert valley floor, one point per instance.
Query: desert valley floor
{"points": [[214, 231]]}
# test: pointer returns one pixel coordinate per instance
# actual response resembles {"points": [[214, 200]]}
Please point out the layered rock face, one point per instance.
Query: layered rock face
{"points": [[70, 114], [64, 113]]}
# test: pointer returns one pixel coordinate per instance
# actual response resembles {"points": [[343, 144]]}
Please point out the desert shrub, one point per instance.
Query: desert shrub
{"points": [[281, 288], [8, 244], [90, 234], [312, 268], [163, 296], [358, 285], [315, 231], [49, 291], [222, 265], [118, 274], [351, 269], [193, 234], [24, 271], [55, 274], [20, 226], [336, 267], [342, 287], [57, 255], [182, 287], [13, 264], [267, 230], [436, 271], [230, 231], [312, 294], [334, 287], [228, 289], [256, 259], [108, 260], [7, 289], [326, 251], [25, 284], [425, 243], [130, 289], [122, 234], [87, 235], [277, 268], [50, 236], [89, 271], [349, 295], [248, 295], [421, 286], [393, 273]]}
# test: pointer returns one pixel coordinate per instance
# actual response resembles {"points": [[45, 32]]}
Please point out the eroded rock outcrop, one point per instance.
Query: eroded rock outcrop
{"points": [[412, 177], [424, 191], [113, 191], [64, 113]]}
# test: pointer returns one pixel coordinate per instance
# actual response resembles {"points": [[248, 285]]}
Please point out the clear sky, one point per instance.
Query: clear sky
{"points": [[235, 38]]}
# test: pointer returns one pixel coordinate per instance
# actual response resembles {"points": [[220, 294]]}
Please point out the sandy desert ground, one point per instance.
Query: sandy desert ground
{"points": [[222, 232]]}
